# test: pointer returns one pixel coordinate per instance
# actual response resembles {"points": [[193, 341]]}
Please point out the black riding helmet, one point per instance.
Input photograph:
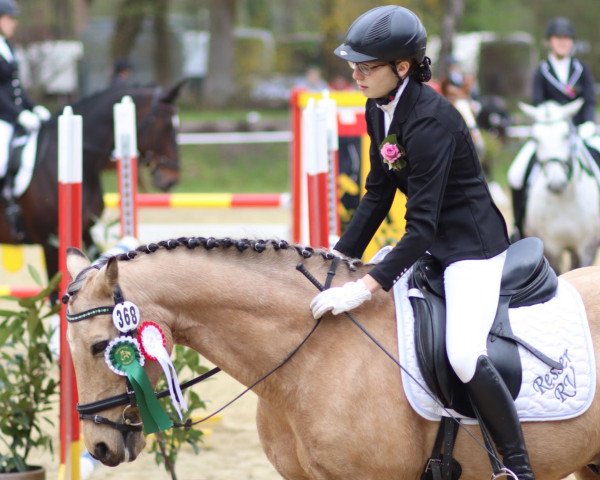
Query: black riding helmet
{"points": [[384, 33], [560, 27], [9, 7]]}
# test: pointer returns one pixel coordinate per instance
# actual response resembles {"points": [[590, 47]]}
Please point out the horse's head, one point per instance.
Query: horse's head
{"points": [[112, 431], [157, 135], [553, 133]]}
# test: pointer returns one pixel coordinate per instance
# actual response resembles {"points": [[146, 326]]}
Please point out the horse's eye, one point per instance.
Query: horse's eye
{"points": [[99, 347]]}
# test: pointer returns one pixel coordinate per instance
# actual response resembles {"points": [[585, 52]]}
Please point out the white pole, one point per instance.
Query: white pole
{"points": [[126, 153]]}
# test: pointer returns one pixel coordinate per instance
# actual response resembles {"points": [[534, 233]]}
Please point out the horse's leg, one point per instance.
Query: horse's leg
{"points": [[587, 255], [554, 260]]}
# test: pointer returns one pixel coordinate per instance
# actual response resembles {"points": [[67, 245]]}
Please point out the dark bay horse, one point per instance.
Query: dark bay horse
{"points": [[157, 131], [336, 409]]}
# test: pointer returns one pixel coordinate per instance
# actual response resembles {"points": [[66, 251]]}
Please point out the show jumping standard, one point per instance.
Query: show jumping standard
{"points": [[336, 409]]}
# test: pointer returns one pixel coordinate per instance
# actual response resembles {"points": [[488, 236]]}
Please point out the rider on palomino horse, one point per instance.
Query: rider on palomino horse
{"points": [[561, 78], [421, 145]]}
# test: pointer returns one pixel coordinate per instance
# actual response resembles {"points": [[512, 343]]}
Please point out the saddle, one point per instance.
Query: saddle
{"points": [[527, 279]]}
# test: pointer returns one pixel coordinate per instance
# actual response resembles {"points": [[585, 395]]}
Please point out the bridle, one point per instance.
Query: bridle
{"points": [[89, 411]]}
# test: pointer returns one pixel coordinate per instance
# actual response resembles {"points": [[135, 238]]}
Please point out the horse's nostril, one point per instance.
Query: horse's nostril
{"points": [[100, 451]]}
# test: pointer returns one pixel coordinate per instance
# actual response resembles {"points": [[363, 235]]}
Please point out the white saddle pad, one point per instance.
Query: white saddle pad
{"points": [[23, 177], [558, 328]]}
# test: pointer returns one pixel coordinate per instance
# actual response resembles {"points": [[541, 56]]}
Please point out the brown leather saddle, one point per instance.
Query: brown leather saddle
{"points": [[527, 279]]}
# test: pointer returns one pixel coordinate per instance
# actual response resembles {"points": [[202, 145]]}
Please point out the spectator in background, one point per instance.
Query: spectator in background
{"points": [[17, 112], [561, 78], [312, 80], [455, 90], [122, 71], [340, 82]]}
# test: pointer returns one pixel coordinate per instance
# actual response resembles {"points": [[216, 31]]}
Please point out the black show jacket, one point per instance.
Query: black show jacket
{"points": [[13, 99], [547, 86], [449, 211]]}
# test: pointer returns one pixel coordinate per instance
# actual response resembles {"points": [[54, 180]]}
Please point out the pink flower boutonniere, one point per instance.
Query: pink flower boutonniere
{"points": [[393, 154]]}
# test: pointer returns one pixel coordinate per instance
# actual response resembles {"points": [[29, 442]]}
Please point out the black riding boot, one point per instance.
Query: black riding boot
{"points": [[518, 208], [496, 408]]}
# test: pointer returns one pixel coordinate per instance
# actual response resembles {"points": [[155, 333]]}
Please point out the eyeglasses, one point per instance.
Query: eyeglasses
{"points": [[365, 68]]}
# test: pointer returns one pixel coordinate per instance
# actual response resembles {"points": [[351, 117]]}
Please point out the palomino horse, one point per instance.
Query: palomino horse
{"points": [[564, 200], [336, 409], [156, 126]]}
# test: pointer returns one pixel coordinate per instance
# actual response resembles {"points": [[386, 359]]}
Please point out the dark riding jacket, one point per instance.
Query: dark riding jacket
{"points": [[449, 211], [13, 99], [547, 86]]}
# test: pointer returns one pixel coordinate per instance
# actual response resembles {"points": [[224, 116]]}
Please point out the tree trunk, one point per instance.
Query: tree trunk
{"points": [[162, 56], [130, 19], [453, 12], [130, 16], [218, 88]]}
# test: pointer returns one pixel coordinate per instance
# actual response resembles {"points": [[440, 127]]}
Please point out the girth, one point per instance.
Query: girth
{"points": [[527, 279]]}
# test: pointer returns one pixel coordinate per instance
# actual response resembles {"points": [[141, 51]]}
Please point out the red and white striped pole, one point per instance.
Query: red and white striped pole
{"points": [[126, 154], [70, 148], [314, 159], [330, 107]]}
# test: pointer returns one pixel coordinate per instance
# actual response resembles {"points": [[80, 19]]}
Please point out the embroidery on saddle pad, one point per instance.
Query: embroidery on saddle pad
{"points": [[153, 345], [558, 327]]}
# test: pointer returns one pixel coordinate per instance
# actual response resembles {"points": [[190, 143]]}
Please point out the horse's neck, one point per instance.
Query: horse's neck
{"points": [[244, 311]]}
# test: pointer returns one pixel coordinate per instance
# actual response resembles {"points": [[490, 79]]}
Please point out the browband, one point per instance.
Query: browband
{"points": [[90, 313]]}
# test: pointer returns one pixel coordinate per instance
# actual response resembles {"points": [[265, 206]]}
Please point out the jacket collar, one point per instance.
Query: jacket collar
{"points": [[405, 105], [407, 101]]}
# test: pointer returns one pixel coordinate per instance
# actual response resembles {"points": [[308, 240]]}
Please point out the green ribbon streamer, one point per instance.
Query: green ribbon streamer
{"points": [[153, 416]]}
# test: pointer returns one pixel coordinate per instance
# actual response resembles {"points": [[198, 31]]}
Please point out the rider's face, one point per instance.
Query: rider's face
{"points": [[8, 25], [561, 46]]}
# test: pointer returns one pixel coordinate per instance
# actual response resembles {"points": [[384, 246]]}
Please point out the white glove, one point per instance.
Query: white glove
{"points": [[28, 120], [42, 113], [587, 130], [340, 299]]}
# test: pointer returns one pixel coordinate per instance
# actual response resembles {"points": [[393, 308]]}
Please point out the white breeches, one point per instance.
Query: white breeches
{"points": [[518, 167], [472, 291], [6, 132]]}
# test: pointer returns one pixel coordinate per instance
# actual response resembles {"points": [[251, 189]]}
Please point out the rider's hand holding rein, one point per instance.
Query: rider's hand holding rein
{"points": [[341, 299]]}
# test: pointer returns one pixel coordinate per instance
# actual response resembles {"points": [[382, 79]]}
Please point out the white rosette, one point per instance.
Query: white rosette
{"points": [[153, 345]]}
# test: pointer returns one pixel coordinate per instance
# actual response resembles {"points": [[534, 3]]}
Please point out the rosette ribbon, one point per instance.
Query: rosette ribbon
{"points": [[154, 347], [124, 358]]}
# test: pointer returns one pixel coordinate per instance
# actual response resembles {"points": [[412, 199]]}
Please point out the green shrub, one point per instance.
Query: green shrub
{"points": [[27, 386]]}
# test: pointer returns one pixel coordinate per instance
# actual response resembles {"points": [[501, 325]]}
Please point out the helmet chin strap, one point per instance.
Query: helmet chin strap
{"points": [[392, 93]]}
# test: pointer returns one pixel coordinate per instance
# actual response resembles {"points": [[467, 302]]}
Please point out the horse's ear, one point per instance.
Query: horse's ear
{"points": [[170, 94], [571, 108], [112, 274], [76, 261], [529, 110]]}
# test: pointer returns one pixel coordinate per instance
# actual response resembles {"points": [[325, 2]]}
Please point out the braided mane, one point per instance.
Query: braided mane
{"points": [[209, 243], [241, 245]]}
